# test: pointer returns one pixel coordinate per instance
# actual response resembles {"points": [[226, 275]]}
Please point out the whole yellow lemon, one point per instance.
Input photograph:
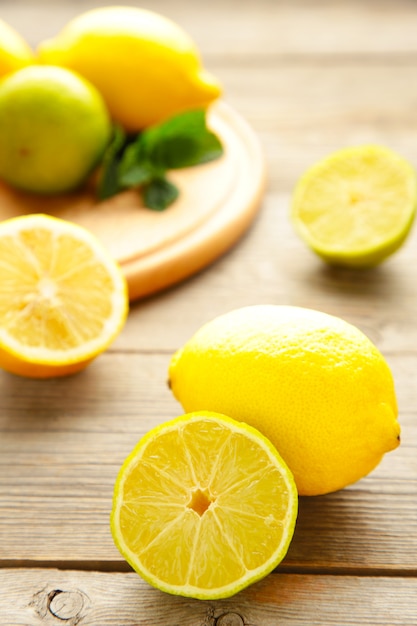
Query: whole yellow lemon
{"points": [[145, 66], [54, 127], [313, 384], [15, 53]]}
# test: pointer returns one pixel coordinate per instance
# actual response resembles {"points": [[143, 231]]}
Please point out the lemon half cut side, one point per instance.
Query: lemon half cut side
{"points": [[203, 506], [63, 299], [356, 207]]}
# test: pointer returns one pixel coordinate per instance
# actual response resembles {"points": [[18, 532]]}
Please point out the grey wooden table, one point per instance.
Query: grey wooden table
{"points": [[310, 77]]}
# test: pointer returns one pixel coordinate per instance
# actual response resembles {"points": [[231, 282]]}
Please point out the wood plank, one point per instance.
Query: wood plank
{"points": [[59, 460], [43, 597], [358, 531], [261, 30], [272, 265], [304, 111], [95, 402]]}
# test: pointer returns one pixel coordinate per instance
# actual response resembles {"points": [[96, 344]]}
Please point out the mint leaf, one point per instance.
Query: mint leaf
{"points": [[182, 141], [109, 183], [133, 169], [143, 160], [159, 194], [137, 174]]}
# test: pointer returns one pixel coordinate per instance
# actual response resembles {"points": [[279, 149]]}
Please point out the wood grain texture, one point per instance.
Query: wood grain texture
{"points": [[244, 30], [44, 597], [309, 77], [58, 465], [271, 265]]}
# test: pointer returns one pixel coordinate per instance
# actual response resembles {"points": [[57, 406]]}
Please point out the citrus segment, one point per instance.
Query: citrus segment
{"points": [[313, 384], [63, 299], [145, 66], [356, 207], [203, 506]]}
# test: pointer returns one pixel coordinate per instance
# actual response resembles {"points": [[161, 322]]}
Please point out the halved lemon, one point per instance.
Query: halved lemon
{"points": [[63, 299], [204, 506], [356, 207]]}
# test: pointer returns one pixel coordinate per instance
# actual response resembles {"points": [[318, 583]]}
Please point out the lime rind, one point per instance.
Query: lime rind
{"points": [[54, 126], [249, 577], [356, 207]]}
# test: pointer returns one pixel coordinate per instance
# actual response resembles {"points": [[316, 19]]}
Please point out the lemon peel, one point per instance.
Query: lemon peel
{"points": [[313, 384], [15, 52], [146, 67]]}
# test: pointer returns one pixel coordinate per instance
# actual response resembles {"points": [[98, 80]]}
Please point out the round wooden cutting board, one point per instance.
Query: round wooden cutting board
{"points": [[217, 203]]}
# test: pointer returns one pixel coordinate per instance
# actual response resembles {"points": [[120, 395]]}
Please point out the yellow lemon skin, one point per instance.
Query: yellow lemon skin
{"points": [[145, 66], [313, 384], [15, 365], [15, 53], [54, 127]]}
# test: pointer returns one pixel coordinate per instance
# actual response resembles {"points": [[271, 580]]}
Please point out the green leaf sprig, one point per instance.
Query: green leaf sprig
{"points": [[144, 160]]}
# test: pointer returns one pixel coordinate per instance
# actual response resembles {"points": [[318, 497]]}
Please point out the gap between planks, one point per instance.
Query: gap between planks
{"points": [[122, 567]]}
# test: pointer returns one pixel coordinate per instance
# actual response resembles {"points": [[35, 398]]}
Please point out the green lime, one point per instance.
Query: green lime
{"points": [[54, 127], [356, 207]]}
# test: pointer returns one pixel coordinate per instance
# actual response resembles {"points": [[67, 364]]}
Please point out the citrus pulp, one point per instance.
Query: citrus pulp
{"points": [[63, 299], [203, 506], [356, 207]]}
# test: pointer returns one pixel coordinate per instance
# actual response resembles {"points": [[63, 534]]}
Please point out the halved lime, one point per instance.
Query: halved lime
{"points": [[356, 207], [204, 506]]}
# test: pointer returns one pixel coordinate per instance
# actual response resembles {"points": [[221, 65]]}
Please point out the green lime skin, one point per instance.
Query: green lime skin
{"points": [[54, 128]]}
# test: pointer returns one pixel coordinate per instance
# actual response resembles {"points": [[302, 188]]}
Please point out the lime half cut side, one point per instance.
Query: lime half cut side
{"points": [[204, 506], [356, 207]]}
